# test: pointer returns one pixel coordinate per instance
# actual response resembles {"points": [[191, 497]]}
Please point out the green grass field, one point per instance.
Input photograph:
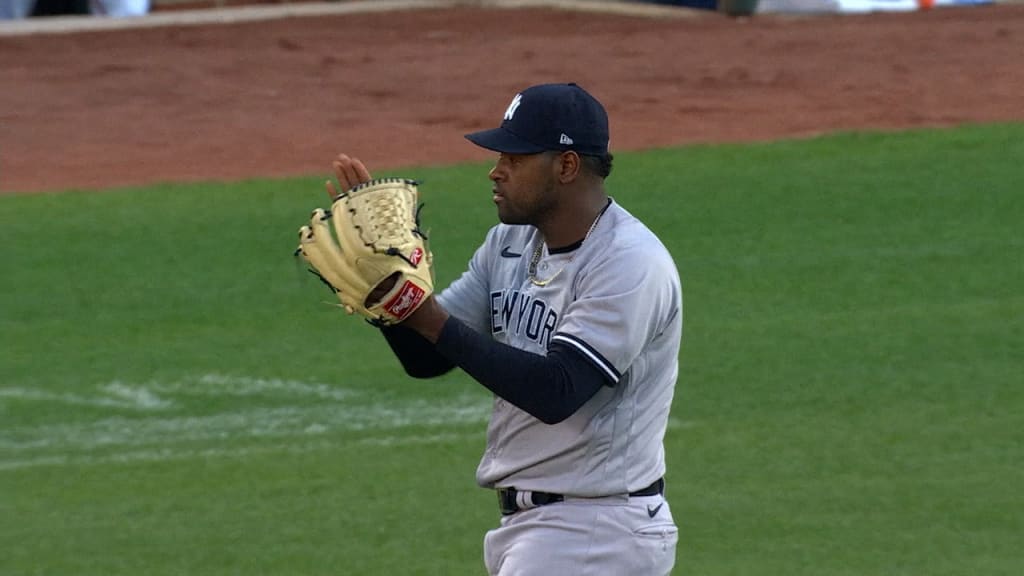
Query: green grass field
{"points": [[175, 398]]}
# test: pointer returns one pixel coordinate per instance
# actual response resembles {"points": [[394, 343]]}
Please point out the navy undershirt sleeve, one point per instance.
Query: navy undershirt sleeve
{"points": [[550, 388], [418, 356]]}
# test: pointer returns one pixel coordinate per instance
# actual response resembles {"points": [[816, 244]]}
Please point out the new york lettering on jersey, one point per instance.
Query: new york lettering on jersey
{"points": [[519, 314]]}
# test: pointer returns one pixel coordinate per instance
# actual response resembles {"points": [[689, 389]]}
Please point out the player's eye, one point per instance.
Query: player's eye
{"points": [[510, 159]]}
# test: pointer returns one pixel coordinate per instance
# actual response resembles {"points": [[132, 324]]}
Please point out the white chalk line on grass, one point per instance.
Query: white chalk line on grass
{"points": [[222, 385], [291, 421], [112, 401], [153, 395], [150, 419], [157, 428], [168, 454]]}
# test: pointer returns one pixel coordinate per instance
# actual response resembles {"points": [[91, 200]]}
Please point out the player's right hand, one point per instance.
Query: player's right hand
{"points": [[350, 173]]}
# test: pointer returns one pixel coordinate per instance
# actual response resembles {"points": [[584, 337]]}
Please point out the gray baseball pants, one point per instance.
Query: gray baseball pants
{"points": [[614, 536]]}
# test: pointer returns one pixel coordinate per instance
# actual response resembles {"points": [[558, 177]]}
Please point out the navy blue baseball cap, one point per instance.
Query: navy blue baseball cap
{"points": [[549, 117]]}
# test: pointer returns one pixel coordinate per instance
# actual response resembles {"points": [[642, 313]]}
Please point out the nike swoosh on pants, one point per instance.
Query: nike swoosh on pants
{"points": [[652, 512]]}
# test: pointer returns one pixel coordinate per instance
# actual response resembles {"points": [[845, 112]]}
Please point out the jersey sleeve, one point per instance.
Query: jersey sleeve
{"points": [[467, 297], [622, 303]]}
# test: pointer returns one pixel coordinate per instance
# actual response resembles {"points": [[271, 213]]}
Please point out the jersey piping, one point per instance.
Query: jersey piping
{"points": [[589, 353]]}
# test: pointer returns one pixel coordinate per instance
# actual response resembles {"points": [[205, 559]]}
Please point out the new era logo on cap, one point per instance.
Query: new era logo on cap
{"points": [[549, 117]]}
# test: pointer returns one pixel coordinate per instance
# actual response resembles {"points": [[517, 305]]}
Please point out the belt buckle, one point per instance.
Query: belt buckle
{"points": [[507, 501]]}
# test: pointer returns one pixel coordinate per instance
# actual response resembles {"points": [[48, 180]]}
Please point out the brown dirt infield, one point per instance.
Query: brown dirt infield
{"points": [[282, 97]]}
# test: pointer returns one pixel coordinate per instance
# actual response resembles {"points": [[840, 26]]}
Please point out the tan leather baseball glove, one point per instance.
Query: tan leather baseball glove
{"points": [[370, 237]]}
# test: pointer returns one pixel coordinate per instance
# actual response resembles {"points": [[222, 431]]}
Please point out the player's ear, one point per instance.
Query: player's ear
{"points": [[569, 166]]}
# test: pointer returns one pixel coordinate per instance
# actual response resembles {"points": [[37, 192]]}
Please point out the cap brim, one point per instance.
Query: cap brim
{"points": [[501, 140]]}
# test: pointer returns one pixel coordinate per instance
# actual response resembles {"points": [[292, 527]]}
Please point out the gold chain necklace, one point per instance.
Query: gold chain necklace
{"points": [[540, 249]]}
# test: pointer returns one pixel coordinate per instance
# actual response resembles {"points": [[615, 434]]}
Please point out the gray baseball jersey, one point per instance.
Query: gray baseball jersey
{"points": [[618, 301]]}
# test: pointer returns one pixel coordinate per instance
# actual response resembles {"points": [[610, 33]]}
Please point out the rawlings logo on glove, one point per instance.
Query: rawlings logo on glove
{"points": [[376, 261]]}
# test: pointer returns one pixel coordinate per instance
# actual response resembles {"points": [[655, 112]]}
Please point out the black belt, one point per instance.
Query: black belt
{"points": [[508, 498]]}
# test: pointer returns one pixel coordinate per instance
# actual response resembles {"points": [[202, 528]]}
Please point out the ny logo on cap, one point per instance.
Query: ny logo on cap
{"points": [[511, 111]]}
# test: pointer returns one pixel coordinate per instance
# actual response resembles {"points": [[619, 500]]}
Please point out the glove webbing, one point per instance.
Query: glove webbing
{"points": [[386, 218]]}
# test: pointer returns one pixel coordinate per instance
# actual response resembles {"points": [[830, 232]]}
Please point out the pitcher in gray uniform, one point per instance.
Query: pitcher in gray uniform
{"points": [[571, 313]]}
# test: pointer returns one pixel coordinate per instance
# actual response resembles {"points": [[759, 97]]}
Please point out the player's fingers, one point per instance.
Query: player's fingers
{"points": [[346, 172], [331, 192], [341, 175], [361, 172]]}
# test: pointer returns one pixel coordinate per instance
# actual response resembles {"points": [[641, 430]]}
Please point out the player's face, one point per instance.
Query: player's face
{"points": [[524, 187]]}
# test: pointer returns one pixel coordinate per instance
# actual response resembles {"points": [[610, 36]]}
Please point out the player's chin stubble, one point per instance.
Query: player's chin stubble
{"points": [[527, 210]]}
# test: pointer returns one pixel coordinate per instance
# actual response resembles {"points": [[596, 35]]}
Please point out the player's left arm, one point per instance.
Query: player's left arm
{"points": [[418, 356], [550, 388]]}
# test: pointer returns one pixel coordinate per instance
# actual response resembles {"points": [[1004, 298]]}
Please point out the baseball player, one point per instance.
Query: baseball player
{"points": [[571, 314]]}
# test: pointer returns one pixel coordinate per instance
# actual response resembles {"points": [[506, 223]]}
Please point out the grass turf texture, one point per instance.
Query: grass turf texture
{"points": [[174, 399]]}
